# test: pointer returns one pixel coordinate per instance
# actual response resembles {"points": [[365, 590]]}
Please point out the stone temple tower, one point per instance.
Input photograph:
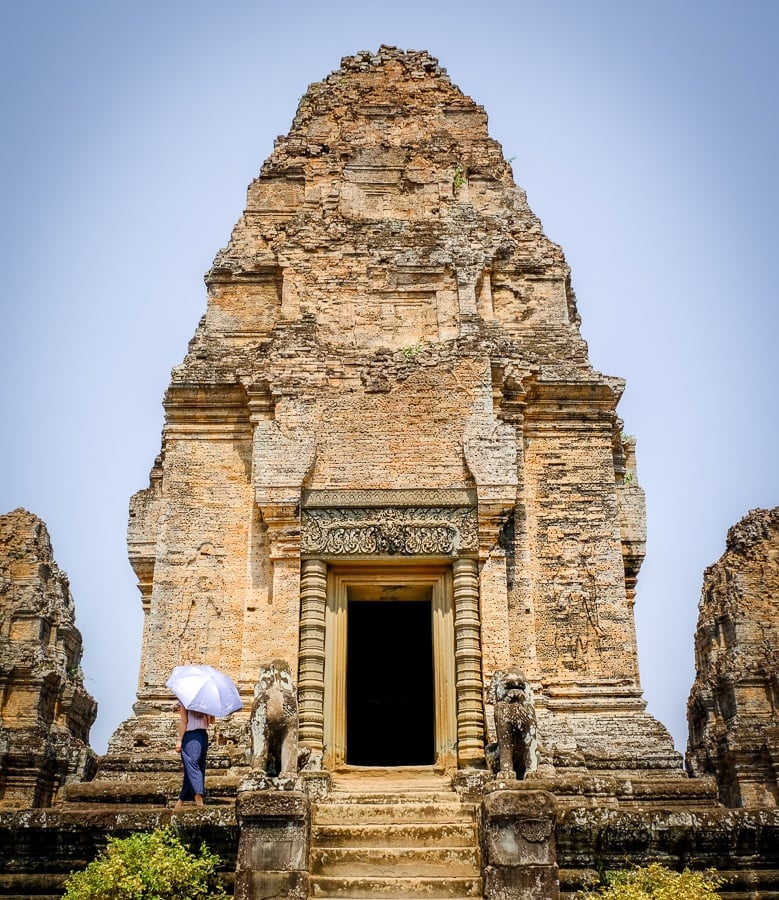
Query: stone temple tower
{"points": [[388, 460]]}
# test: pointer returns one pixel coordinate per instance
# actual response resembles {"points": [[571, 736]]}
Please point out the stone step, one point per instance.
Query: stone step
{"points": [[373, 837], [398, 780], [324, 888], [141, 791], [35, 885], [395, 862], [388, 834], [389, 796], [433, 810]]}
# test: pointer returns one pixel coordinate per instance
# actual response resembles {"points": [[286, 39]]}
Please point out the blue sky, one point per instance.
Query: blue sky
{"points": [[645, 134]]}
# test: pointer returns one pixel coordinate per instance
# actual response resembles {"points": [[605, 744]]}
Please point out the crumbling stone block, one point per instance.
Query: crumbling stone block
{"points": [[274, 845], [520, 859]]}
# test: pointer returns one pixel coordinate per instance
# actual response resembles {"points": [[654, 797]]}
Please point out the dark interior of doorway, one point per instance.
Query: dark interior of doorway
{"points": [[390, 701]]}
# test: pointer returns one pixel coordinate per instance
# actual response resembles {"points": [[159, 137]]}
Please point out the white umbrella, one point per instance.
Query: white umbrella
{"points": [[204, 689]]}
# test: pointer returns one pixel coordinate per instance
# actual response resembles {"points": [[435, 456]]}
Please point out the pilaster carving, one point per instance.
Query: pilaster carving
{"points": [[283, 454], [467, 641], [490, 450], [311, 678], [142, 532]]}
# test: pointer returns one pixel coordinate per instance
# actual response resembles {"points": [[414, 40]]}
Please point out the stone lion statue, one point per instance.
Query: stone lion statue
{"points": [[515, 754], [274, 721]]}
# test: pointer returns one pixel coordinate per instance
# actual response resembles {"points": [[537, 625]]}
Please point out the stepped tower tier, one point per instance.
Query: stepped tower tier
{"points": [[388, 460]]}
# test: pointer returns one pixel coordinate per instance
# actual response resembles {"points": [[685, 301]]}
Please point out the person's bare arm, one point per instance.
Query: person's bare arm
{"points": [[182, 727]]}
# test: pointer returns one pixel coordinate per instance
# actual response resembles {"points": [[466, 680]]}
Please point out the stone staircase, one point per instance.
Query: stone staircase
{"points": [[394, 834]]}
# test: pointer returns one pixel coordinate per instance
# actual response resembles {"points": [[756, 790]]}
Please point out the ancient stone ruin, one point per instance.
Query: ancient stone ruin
{"points": [[732, 710], [387, 425], [389, 467], [45, 710]]}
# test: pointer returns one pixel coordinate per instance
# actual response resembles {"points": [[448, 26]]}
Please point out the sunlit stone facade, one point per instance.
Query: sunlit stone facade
{"points": [[389, 401]]}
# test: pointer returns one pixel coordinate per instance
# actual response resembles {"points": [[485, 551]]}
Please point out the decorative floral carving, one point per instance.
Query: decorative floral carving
{"points": [[535, 830], [408, 531]]}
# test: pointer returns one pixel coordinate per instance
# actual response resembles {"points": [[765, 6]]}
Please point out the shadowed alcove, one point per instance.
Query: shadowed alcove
{"points": [[390, 707]]}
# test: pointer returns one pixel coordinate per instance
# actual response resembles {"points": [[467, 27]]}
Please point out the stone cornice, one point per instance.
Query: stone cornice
{"points": [[389, 497]]}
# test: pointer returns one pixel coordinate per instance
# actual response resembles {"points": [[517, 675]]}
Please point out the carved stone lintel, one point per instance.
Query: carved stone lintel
{"points": [[405, 531]]}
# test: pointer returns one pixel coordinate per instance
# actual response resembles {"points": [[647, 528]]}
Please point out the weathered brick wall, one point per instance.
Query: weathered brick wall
{"points": [[45, 710], [732, 708], [40, 848], [200, 580], [581, 614], [389, 316], [742, 845], [409, 437]]}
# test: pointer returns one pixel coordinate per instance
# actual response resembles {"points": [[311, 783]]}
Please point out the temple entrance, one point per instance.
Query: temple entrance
{"points": [[389, 666], [390, 721]]}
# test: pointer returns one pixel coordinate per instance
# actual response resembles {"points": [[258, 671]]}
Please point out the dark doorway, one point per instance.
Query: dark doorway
{"points": [[390, 702]]}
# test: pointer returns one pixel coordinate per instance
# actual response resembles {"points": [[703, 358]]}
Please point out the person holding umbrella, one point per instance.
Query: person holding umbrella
{"points": [[192, 744], [203, 693]]}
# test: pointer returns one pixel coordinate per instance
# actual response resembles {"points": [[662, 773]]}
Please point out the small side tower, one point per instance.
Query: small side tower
{"points": [[732, 709], [46, 711]]}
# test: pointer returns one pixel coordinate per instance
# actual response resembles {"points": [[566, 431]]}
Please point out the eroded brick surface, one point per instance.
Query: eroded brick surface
{"points": [[46, 711], [388, 322], [732, 709]]}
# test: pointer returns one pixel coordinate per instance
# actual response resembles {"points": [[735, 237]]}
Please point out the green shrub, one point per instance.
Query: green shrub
{"points": [[147, 866], [658, 883]]}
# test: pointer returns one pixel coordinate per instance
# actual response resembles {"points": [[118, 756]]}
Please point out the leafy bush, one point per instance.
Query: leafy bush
{"points": [[147, 866], [655, 882]]}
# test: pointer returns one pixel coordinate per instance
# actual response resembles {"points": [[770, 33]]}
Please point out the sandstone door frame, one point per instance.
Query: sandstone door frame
{"points": [[438, 579], [322, 652]]}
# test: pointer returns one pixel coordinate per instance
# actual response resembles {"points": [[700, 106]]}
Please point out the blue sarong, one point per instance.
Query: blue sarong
{"points": [[194, 746]]}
